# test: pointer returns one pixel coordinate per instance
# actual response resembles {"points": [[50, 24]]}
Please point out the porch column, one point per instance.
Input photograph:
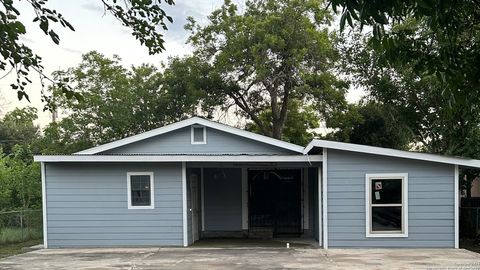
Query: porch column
{"points": [[184, 204], [244, 198], [324, 198]]}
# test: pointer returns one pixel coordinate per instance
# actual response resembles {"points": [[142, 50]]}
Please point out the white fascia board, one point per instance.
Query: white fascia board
{"points": [[391, 152], [178, 158], [189, 122]]}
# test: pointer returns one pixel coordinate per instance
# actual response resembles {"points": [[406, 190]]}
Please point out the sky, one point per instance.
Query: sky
{"points": [[96, 31]]}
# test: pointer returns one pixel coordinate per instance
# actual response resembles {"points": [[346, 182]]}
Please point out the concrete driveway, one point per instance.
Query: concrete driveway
{"points": [[243, 258]]}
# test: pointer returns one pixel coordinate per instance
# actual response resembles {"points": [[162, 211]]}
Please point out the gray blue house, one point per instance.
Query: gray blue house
{"points": [[197, 179]]}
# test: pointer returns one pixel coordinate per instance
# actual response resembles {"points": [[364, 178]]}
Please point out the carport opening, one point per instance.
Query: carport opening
{"points": [[266, 204]]}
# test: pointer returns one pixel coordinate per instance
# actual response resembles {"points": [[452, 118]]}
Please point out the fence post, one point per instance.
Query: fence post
{"points": [[21, 223]]}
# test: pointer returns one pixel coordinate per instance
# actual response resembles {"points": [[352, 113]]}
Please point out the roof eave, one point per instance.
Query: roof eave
{"points": [[391, 152]]}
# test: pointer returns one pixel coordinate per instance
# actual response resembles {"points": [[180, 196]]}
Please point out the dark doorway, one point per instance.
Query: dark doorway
{"points": [[275, 202]]}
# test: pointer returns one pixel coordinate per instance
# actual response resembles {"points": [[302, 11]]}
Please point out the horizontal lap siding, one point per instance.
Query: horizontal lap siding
{"points": [[87, 206], [179, 141], [430, 200]]}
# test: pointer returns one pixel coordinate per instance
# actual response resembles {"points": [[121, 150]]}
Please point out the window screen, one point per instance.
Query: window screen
{"points": [[140, 190]]}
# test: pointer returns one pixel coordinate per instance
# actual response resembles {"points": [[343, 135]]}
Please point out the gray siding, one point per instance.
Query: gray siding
{"points": [[223, 199], [87, 206], [430, 198], [218, 142]]}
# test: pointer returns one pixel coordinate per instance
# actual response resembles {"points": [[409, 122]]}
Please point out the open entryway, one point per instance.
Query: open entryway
{"points": [[275, 202], [245, 204]]}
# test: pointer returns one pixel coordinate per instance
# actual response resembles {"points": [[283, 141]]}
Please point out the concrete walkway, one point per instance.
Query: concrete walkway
{"points": [[243, 258]]}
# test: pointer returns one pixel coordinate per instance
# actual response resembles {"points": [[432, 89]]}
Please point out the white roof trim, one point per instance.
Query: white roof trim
{"points": [[179, 158], [192, 121], [391, 152]]}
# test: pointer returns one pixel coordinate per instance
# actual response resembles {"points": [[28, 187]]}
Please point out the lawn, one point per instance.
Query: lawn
{"points": [[17, 248], [14, 240], [17, 235]]}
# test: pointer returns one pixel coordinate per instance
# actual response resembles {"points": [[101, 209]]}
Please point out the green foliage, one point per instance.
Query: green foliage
{"points": [[429, 42], [15, 235], [17, 127], [142, 17], [265, 58], [370, 124], [300, 126], [20, 181], [118, 102]]}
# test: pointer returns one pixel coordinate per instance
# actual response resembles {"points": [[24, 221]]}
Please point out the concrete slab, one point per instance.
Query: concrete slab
{"points": [[242, 258]]}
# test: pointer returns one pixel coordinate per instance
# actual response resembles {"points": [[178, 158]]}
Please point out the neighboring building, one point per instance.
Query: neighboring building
{"points": [[196, 179]]}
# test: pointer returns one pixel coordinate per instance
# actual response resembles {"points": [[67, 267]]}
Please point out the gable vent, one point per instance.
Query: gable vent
{"points": [[198, 134]]}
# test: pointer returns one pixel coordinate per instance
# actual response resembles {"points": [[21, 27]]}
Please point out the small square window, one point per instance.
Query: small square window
{"points": [[199, 135], [140, 190]]}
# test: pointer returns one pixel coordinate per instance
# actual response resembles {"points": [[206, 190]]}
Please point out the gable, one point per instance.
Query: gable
{"points": [[180, 142]]}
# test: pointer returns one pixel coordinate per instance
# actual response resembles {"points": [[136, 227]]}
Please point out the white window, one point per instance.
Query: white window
{"points": [[140, 190], [199, 135], [386, 205]]}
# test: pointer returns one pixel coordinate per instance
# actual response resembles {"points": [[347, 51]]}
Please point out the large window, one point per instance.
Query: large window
{"points": [[387, 205], [140, 190]]}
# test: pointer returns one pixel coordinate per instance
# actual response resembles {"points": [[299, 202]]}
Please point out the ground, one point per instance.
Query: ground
{"points": [[249, 257], [16, 248]]}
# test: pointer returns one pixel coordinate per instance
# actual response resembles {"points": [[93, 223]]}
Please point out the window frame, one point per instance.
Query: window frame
{"points": [[192, 138], [368, 204], [129, 191]]}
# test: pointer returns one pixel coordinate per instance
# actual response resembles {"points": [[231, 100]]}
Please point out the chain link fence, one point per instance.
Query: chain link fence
{"points": [[20, 226]]}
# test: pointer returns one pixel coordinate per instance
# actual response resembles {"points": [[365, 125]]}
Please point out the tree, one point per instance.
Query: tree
{"points": [[273, 54], [143, 17], [433, 38], [300, 126], [117, 102], [20, 180], [17, 127], [371, 123]]}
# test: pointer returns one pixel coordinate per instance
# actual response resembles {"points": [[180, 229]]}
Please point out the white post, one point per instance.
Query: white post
{"points": [[202, 194], [44, 205], [456, 203], [324, 199], [320, 224], [184, 200]]}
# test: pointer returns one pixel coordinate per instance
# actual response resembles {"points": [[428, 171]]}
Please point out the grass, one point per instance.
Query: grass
{"points": [[17, 248], [17, 235]]}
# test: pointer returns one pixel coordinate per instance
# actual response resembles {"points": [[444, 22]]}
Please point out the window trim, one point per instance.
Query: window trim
{"points": [[192, 139], [368, 204], [152, 191]]}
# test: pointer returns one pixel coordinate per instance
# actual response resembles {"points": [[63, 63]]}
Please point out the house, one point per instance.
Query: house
{"points": [[197, 179]]}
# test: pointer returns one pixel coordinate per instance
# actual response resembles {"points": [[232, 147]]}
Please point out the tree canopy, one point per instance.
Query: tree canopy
{"points": [[268, 57], [144, 18]]}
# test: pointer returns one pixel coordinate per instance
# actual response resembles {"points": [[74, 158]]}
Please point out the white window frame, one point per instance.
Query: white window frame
{"points": [[152, 191], [404, 204], [204, 134]]}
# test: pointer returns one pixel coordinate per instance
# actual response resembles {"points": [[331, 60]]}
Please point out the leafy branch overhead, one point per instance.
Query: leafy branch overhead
{"points": [[142, 17]]}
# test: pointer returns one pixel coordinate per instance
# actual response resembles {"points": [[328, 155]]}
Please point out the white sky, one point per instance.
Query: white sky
{"points": [[93, 31]]}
